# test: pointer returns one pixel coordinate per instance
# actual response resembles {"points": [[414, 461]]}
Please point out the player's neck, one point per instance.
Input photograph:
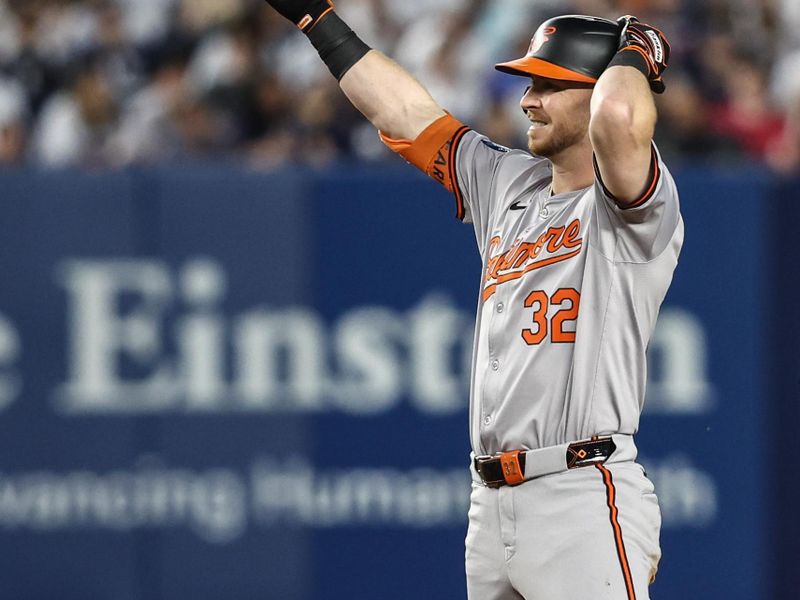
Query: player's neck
{"points": [[573, 169]]}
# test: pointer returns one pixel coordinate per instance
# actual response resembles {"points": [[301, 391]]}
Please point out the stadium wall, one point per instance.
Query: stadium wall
{"points": [[219, 383]]}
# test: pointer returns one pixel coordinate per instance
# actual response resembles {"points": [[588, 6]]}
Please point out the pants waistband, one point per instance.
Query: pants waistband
{"points": [[512, 468]]}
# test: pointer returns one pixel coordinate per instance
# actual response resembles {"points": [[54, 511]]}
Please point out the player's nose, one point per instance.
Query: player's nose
{"points": [[530, 99]]}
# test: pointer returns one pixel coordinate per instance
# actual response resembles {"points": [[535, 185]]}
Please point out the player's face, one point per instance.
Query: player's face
{"points": [[559, 115]]}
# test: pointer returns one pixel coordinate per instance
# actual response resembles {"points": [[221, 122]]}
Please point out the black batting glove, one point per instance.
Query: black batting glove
{"points": [[648, 43], [338, 45], [303, 13]]}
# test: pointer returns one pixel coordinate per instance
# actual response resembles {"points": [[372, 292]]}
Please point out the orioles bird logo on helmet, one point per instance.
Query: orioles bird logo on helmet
{"points": [[540, 39]]}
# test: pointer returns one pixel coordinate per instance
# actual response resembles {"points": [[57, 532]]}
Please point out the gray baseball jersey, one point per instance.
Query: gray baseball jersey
{"points": [[571, 289]]}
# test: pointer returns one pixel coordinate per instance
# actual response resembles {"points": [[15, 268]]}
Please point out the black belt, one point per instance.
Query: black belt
{"points": [[508, 468]]}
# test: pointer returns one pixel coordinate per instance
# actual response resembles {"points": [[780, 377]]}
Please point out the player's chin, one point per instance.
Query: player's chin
{"points": [[539, 144]]}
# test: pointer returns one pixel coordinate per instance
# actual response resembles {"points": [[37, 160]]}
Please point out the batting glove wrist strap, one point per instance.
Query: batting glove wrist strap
{"points": [[629, 57], [338, 45]]}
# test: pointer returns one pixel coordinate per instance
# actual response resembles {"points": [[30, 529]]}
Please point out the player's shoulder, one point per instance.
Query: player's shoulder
{"points": [[479, 143], [503, 172], [525, 169], [510, 159]]}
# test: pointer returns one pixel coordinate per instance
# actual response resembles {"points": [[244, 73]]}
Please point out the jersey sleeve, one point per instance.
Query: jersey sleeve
{"points": [[476, 163], [638, 231]]}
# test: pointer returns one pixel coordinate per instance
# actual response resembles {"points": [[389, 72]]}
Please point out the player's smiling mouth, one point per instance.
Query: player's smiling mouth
{"points": [[536, 121]]}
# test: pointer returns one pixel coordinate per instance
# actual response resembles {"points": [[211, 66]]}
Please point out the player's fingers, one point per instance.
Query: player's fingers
{"points": [[640, 36]]}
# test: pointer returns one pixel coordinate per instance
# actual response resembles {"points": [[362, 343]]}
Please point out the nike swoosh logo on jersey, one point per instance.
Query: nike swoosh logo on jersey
{"points": [[516, 206]]}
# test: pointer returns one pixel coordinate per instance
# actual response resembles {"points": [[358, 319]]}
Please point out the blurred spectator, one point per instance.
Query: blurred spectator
{"points": [[711, 64], [683, 128], [200, 131], [785, 83], [120, 63], [443, 52], [145, 133], [24, 62], [201, 16], [9, 34], [146, 23], [746, 114], [784, 156], [76, 124], [12, 123]]}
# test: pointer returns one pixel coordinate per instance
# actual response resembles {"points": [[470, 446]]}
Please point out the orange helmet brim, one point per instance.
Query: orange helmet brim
{"points": [[529, 66]]}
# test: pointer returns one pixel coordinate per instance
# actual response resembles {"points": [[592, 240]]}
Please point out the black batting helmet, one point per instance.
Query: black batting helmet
{"points": [[570, 48]]}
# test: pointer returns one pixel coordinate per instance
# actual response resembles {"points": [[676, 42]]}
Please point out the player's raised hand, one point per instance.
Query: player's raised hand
{"points": [[303, 13], [650, 43], [338, 46]]}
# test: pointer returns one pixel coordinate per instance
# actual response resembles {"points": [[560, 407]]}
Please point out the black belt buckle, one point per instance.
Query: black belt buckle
{"points": [[488, 468], [591, 452]]}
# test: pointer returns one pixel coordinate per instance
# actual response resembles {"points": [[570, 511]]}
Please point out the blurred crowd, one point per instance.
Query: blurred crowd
{"points": [[102, 84]]}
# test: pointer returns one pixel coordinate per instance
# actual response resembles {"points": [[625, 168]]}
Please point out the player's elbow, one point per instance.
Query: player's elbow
{"points": [[619, 121], [407, 121], [611, 118]]}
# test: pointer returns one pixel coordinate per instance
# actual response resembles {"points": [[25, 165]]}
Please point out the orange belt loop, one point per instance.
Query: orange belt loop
{"points": [[512, 471]]}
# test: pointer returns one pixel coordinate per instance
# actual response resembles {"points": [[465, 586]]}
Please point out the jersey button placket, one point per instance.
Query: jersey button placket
{"points": [[492, 383]]}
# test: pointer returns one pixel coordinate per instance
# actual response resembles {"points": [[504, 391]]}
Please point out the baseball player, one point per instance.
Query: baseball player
{"points": [[579, 239]]}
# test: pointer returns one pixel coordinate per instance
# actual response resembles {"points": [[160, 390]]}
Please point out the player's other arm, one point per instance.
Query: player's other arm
{"points": [[623, 113], [396, 103]]}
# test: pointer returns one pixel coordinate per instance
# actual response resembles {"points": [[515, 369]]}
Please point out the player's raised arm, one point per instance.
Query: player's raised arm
{"points": [[390, 97], [396, 103], [623, 114]]}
